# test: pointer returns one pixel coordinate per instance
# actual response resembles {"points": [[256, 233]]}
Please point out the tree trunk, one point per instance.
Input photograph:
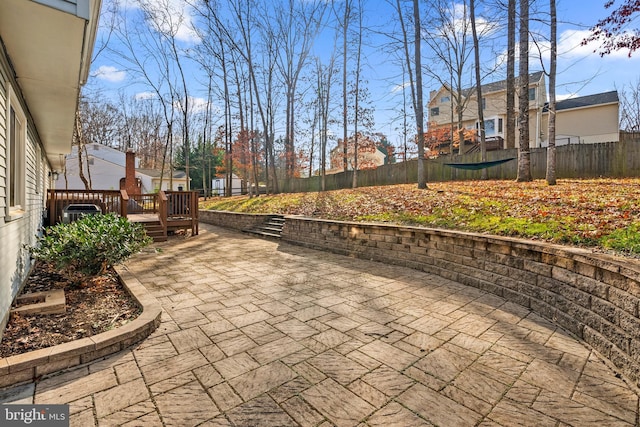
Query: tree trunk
{"points": [[524, 157], [345, 27], [476, 49], [551, 150], [80, 145], [422, 179], [510, 135], [354, 184]]}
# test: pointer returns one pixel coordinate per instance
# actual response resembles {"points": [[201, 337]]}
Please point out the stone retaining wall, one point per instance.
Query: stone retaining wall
{"points": [[233, 220], [594, 296]]}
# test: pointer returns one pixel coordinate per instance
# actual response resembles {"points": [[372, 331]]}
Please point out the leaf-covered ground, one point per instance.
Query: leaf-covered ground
{"points": [[598, 212], [93, 306]]}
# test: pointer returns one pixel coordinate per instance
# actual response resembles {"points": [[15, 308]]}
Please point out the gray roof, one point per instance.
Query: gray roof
{"points": [[585, 101], [502, 84]]}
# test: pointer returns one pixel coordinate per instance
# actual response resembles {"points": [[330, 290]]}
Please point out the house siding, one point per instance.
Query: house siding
{"points": [[15, 262], [495, 108], [593, 125]]}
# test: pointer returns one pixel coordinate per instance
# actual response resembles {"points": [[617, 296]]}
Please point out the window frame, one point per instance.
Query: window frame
{"points": [[533, 93], [497, 126], [16, 142]]}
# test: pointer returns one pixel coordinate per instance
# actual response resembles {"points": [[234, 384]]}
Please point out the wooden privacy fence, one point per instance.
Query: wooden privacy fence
{"points": [[174, 209], [611, 159]]}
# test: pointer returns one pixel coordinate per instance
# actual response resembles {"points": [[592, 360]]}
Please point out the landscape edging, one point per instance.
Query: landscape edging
{"points": [[593, 295], [34, 364]]}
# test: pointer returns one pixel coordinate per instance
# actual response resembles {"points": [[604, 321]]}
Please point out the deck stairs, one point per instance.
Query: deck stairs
{"points": [[270, 228], [155, 230]]}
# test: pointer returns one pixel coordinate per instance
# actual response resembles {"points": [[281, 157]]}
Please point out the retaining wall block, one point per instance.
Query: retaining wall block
{"points": [[623, 300]]}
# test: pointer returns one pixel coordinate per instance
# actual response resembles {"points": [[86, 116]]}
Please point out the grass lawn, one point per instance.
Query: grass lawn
{"points": [[601, 213]]}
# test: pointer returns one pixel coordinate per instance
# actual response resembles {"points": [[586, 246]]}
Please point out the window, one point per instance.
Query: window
{"points": [[445, 99], [435, 111], [16, 132], [490, 127], [484, 103], [532, 94]]}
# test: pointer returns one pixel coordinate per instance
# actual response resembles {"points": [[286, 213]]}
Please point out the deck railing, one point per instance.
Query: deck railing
{"points": [[106, 200], [178, 209]]}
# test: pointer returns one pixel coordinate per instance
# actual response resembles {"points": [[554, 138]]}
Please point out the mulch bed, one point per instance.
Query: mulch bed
{"points": [[94, 305]]}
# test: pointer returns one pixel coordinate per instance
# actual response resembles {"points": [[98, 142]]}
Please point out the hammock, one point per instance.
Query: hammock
{"points": [[478, 166]]}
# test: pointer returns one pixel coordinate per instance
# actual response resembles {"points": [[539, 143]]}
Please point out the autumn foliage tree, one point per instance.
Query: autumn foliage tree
{"points": [[436, 138], [368, 145], [245, 155], [612, 32]]}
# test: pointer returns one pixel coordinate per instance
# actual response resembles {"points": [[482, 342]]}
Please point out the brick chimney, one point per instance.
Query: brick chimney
{"points": [[130, 181]]}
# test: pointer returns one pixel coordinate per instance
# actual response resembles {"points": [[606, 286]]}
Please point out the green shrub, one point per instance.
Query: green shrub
{"points": [[91, 244]]}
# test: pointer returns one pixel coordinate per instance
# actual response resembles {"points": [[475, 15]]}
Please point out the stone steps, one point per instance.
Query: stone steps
{"points": [[270, 228]]}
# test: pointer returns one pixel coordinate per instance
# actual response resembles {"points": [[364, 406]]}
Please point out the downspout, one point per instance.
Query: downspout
{"points": [[538, 143]]}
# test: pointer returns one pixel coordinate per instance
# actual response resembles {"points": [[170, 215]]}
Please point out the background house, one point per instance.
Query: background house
{"points": [[586, 119], [494, 104], [373, 151], [45, 54], [218, 185], [105, 167]]}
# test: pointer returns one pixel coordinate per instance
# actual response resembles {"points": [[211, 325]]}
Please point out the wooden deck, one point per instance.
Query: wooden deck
{"points": [[163, 212]]}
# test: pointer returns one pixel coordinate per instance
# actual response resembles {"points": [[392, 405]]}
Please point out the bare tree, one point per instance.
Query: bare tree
{"points": [[551, 150], [452, 49], [325, 78], [510, 134], [630, 107], [80, 143], [297, 28], [147, 58], [422, 178], [356, 109], [524, 158], [407, 72], [476, 50], [344, 23]]}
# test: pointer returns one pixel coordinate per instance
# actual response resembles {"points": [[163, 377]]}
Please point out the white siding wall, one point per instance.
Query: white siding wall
{"points": [[104, 175], [15, 261]]}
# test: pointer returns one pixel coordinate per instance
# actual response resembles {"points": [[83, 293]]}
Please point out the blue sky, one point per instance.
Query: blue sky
{"points": [[580, 70]]}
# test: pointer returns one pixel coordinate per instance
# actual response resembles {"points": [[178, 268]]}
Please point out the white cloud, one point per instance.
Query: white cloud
{"points": [[570, 44], [197, 105], [144, 95], [110, 74], [174, 17], [400, 87]]}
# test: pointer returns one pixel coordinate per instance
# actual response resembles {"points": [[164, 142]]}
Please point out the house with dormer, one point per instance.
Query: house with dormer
{"points": [[587, 119]]}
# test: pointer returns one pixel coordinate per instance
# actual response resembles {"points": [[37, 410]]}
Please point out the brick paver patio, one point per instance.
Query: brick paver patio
{"points": [[261, 333]]}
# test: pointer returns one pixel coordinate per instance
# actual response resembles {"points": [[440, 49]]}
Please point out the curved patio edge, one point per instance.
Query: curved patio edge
{"points": [[34, 364], [592, 295]]}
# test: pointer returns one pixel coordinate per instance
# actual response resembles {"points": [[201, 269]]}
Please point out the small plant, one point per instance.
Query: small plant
{"points": [[625, 239], [90, 245]]}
